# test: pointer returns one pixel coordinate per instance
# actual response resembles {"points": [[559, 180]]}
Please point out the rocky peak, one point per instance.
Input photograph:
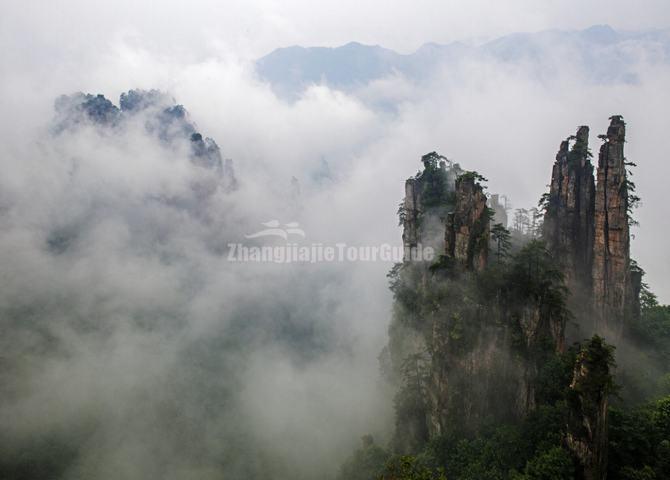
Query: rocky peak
{"points": [[586, 225], [568, 222], [428, 199], [612, 290], [467, 228], [163, 119], [410, 213]]}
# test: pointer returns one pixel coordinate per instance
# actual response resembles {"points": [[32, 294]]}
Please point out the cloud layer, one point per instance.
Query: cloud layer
{"points": [[135, 348]]}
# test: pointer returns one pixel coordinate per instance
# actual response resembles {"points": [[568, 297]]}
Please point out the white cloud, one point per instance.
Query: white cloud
{"points": [[164, 350]]}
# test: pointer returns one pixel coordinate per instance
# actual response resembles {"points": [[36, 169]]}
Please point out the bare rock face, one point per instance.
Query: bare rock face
{"points": [[586, 225], [612, 290], [446, 211], [569, 218], [411, 208], [428, 197], [467, 230], [473, 379]]}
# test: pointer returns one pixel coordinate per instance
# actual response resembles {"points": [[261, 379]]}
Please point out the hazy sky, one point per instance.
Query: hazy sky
{"points": [[256, 27], [201, 52]]}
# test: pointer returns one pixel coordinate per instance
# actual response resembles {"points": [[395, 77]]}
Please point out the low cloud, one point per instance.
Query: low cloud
{"points": [[134, 348]]}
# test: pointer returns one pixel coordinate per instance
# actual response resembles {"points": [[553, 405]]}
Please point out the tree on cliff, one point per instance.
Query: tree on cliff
{"points": [[592, 384], [501, 238]]}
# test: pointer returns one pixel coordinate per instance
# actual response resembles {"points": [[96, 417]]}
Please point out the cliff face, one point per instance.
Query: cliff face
{"points": [[473, 376], [483, 337], [588, 401], [467, 227], [586, 225], [612, 290], [569, 218], [428, 199], [473, 366], [411, 208], [589, 229]]}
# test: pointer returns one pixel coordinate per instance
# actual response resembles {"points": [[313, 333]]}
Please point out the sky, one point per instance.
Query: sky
{"points": [[253, 28], [141, 342]]}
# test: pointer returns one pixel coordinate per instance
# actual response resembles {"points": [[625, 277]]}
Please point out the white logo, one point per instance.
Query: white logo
{"points": [[274, 229], [292, 251]]}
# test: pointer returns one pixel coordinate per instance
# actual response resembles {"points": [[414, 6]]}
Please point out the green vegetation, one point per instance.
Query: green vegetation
{"points": [[527, 223], [501, 238], [633, 200], [519, 301], [639, 441], [436, 191], [366, 463], [652, 332], [533, 449], [407, 467]]}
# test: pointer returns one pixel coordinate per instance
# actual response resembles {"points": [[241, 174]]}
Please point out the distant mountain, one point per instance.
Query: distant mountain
{"points": [[599, 53], [292, 68], [169, 122]]}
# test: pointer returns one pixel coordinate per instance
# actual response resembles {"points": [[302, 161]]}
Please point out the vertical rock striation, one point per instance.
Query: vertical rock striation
{"points": [[428, 199], [569, 217], [612, 290], [467, 229], [477, 340], [586, 226], [410, 213]]}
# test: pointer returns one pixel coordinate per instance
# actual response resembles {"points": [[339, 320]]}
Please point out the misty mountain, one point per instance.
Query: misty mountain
{"points": [[165, 315], [166, 121], [160, 343], [600, 54]]}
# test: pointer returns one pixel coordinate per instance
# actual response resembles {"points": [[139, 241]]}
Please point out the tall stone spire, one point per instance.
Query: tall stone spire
{"points": [[467, 229], [568, 222], [611, 252]]}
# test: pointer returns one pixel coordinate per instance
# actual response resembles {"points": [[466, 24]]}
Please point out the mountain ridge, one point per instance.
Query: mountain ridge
{"points": [[596, 51]]}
